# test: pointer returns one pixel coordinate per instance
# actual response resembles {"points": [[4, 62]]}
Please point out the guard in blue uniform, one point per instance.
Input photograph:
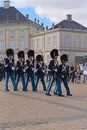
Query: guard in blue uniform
{"points": [[54, 74], [20, 69], [9, 68], [30, 70], [40, 71], [64, 73]]}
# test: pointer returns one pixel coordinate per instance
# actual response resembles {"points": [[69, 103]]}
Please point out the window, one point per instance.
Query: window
{"points": [[32, 44], [67, 41], [43, 44], [55, 41], [38, 44], [48, 42], [85, 42], [34, 32], [12, 44], [1, 32], [22, 31], [1, 45], [21, 46], [12, 31], [77, 41]]}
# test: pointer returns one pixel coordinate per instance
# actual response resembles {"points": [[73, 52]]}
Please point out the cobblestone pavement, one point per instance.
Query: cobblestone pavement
{"points": [[35, 111]]}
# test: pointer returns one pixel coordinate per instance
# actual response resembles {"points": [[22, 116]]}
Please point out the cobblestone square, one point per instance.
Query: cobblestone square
{"points": [[35, 111]]}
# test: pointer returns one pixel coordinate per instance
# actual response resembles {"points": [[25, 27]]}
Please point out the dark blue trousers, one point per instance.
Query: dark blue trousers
{"points": [[22, 78], [12, 76], [58, 85], [32, 81], [65, 82], [42, 80]]}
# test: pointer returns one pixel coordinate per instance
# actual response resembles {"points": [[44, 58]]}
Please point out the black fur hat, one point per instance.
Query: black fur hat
{"points": [[20, 54], [54, 53], [30, 53], [10, 52], [64, 57], [39, 58]]}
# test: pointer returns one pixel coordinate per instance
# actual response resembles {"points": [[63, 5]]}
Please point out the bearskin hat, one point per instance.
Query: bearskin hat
{"points": [[9, 52], [39, 58], [54, 53], [20, 54], [64, 57], [30, 53]]}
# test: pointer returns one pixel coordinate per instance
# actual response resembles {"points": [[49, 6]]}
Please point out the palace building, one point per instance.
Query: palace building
{"points": [[15, 29], [68, 37], [20, 33]]}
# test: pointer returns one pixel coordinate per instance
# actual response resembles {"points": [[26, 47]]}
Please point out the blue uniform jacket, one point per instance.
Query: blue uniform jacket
{"points": [[8, 64]]}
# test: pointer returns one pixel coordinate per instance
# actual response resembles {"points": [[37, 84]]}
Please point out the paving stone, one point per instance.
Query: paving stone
{"points": [[35, 111]]}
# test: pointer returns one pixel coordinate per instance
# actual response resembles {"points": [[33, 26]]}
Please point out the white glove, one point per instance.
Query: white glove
{"points": [[62, 76], [43, 71], [35, 70], [17, 68], [24, 70], [13, 68], [55, 70], [27, 67], [6, 65]]}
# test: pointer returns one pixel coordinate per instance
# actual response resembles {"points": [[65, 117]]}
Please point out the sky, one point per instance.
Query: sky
{"points": [[49, 11]]}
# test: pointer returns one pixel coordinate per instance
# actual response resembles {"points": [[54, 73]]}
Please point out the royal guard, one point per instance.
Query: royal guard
{"points": [[64, 73], [9, 68], [40, 71], [54, 74], [20, 69], [30, 69]]}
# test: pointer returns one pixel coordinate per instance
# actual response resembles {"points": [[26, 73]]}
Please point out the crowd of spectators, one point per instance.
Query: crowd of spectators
{"points": [[77, 73]]}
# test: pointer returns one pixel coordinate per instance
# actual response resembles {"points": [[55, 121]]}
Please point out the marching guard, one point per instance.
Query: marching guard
{"points": [[20, 69], [9, 68], [54, 74], [30, 70], [40, 71], [64, 73]]}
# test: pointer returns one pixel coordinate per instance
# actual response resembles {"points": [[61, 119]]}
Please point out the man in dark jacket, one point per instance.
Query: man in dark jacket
{"points": [[9, 68], [40, 71], [64, 73], [20, 69], [30, 70], [54, 74]]}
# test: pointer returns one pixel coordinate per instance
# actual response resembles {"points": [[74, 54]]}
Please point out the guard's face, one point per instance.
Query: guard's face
{"points": [[20, 58], [10, 56], [31, 57], [55, 57], [65, 62]]}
